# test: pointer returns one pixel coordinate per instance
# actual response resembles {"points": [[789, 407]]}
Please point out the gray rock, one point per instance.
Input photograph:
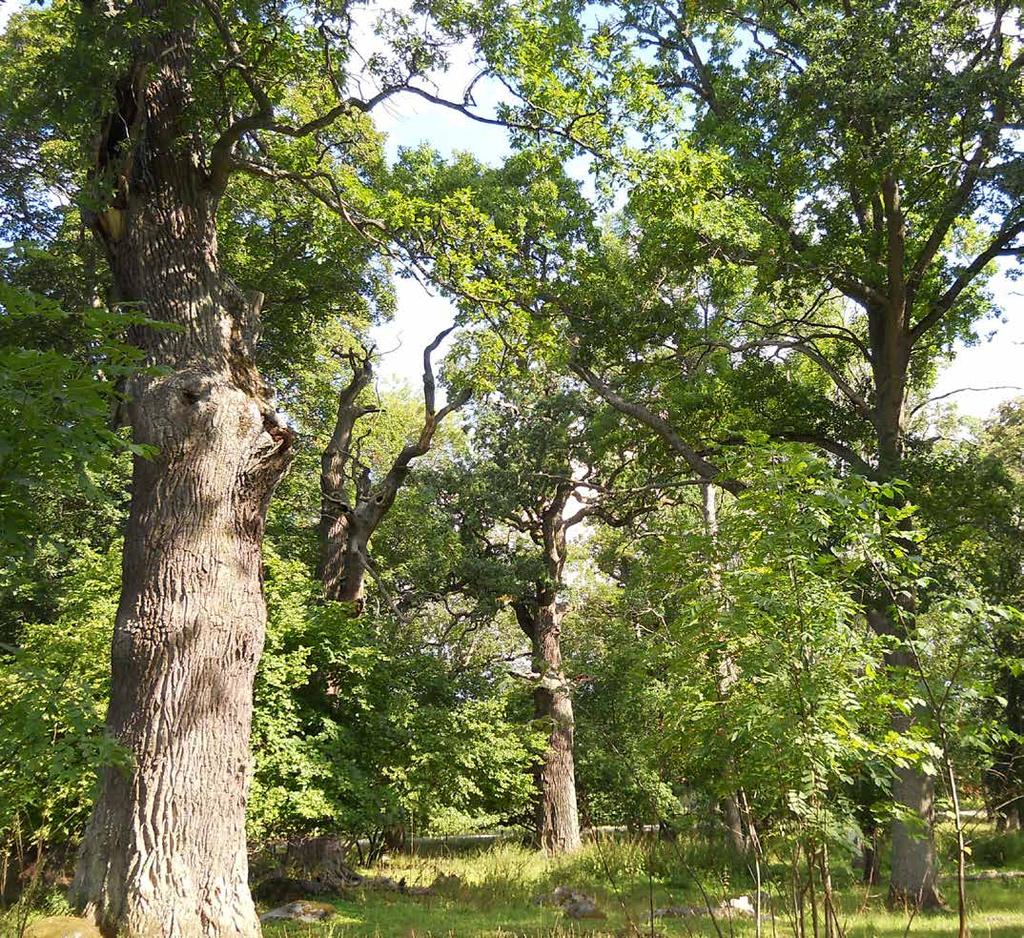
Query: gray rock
{"points": [[679, 911], [582, 907], [741, 905], [301, 911], [573, 903]]}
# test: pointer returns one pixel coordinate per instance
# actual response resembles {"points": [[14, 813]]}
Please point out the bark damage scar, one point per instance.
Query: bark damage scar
{"points": [[119, 158], [278, 431]]}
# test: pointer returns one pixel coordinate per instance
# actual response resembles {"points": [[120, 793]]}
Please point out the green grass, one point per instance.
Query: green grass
{"points": [[494, 900]]}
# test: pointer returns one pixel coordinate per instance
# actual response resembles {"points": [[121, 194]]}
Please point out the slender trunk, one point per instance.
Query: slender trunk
{"points": [[755, 844], [813, 894], [797, 893], [961, 843], [872, 864], [833, 927], [558, 824], [164, 855]]}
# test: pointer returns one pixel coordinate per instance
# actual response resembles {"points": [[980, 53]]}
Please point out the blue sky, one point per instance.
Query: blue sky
{"points": [[997, 360]]}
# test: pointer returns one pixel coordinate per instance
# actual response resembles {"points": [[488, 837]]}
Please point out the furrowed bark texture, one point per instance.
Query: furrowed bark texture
{"points": [[557, 813], [558, 822], [164, 855]]}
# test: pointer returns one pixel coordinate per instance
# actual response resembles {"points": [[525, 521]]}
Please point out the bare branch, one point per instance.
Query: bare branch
{"points": [[428, 370], [942, 397], [707, 471]]}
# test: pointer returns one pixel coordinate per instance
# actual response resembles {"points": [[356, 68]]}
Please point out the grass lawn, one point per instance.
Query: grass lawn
{"points": [[495, 892]]}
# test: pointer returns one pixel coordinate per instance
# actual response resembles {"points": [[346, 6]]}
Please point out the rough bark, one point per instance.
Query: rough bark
{"points": [[164, 855], [342, 563], [557, 813], [352, 506]]}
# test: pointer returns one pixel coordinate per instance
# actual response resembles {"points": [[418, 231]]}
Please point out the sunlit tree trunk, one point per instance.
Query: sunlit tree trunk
{"points": [[164, 855], [726, 666], [343, 559], [913, 880], [558, 822], [557, 813]]}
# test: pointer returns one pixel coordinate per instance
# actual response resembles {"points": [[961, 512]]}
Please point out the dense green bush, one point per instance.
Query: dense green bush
{"points": [[360, 727], [355, 730], [54, 687]]}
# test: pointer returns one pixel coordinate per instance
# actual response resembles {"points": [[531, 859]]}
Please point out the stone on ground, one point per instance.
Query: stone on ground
{"points": [[62, 926], [740, 905], [301, 911], [573, 903]]}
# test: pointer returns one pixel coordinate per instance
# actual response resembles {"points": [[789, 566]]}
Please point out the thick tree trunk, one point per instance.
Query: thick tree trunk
{"points": [[343, 540], [344, 560], [557, 813], [164, 855], [913, 879], [734, 824]]}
